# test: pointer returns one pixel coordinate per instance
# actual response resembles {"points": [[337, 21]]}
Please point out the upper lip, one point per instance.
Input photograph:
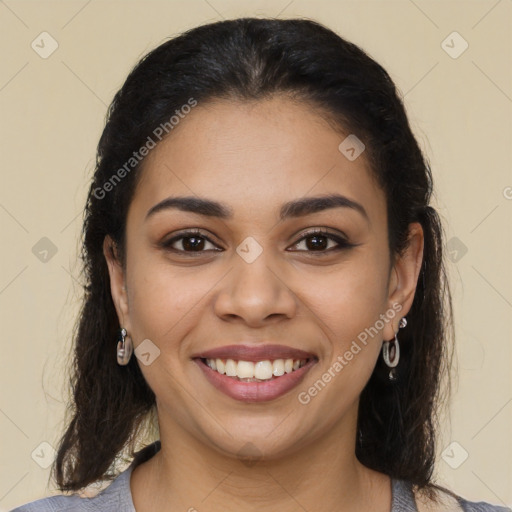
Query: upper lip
{"points": [[255, 353]]}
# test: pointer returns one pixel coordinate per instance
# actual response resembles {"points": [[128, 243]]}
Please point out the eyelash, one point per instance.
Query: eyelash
{"points": [[193, 233]]}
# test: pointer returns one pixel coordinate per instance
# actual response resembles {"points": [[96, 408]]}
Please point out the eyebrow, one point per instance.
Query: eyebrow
{"points": [[291, 209]]}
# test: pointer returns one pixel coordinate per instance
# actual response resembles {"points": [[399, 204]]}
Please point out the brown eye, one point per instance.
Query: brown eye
{"points": [[321, 241], [188, 241]]}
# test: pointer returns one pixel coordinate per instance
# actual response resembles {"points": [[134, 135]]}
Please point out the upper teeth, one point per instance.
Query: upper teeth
{"points": [[262, 370]]}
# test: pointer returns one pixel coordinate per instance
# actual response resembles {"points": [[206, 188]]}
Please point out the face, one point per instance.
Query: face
{"points": [[258, 276]]}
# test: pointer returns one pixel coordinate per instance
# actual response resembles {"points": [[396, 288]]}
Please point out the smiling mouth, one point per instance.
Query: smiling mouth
{"points": [[258, 371], [259, 380]]}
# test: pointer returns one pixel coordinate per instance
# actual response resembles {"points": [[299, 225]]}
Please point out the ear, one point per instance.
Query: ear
{"points": [[117, 282], [404, 278]]}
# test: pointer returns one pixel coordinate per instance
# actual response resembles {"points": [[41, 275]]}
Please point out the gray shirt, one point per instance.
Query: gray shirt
{"points": [[118, 497]]}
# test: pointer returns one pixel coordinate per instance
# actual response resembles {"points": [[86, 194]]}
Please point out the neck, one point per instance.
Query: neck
{"points": [[187, 474]]}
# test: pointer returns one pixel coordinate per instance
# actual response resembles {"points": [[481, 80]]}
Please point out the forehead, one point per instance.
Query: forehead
{"points": [[255, 156]]}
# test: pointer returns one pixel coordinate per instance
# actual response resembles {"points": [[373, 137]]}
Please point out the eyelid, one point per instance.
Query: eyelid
{"points": [[340, 239], [322, 231], [166, 244]]}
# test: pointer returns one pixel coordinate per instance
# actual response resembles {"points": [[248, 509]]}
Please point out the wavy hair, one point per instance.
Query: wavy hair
{"points": [[252, 59]]}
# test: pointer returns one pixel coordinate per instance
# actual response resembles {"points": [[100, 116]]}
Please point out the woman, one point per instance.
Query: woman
{"points": [[264, 273]]}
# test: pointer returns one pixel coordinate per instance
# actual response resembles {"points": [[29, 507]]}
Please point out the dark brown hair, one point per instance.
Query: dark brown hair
{"points": [[250, 59]]}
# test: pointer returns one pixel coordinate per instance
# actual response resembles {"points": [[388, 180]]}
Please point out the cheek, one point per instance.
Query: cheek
{"points": [[348, 310], [164, 302], [349, 303], [350, 295], [164, 307]]}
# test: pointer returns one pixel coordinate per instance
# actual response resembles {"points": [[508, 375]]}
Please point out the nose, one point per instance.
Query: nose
{"points": [[255, 294]]}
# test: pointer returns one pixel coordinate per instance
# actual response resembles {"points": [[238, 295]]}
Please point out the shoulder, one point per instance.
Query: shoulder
{"points": [[450, 501], [115, 497], [481, 506], [52, 504]]}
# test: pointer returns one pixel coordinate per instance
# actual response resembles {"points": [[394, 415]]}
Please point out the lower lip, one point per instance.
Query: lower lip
{"points": [[255, 391]]}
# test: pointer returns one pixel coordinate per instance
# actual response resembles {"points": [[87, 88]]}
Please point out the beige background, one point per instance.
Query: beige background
{"points": [[52, 113]]}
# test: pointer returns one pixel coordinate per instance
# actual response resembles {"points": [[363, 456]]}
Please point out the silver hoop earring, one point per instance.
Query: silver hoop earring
{"points": [[391, 351], [124, 348]]}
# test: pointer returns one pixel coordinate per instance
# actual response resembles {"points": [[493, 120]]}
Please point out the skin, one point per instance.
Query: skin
{"points": [[255, 156]]}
